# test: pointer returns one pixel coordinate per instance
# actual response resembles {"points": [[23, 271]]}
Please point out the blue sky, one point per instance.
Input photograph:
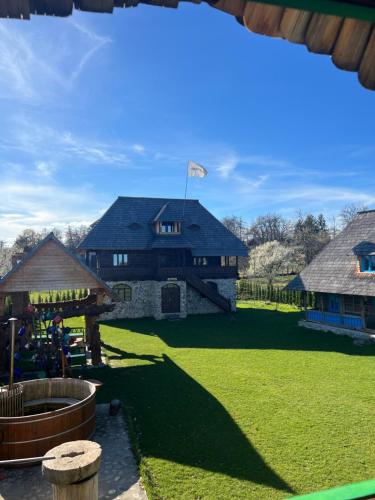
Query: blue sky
{"points": [[96, 106]]}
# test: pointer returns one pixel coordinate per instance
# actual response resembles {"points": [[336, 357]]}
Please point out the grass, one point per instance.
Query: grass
{"points": [[243, 407]]}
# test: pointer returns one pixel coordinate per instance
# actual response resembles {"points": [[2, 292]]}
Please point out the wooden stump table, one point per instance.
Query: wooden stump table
{"points": [[74, 472]]}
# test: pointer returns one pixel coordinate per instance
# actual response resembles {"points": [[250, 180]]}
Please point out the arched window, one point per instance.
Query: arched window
{"points": [[124, 292]]}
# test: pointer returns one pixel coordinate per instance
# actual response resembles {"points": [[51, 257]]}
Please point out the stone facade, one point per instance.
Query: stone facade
{"points": [[196, 304], [146, 299]]}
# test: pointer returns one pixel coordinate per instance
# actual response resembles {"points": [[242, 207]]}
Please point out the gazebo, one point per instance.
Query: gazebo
{"points": [[342, 29], [51, 266]]}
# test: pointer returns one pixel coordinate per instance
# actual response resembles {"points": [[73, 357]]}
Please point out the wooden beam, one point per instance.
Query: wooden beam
{"points": [[367, 66], [322, 33], [351, 44], [294, 24], [17, 9], [234, 7], [60, 8], [263, 19], [94, 5]]}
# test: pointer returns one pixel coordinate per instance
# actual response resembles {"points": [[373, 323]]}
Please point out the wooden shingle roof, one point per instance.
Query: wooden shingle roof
{"points": [[51, 266], [343, 29], [336, 268], [201, 231]]}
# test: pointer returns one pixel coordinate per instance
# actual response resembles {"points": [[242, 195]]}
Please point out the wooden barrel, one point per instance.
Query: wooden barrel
{"points": [[34, 434]]}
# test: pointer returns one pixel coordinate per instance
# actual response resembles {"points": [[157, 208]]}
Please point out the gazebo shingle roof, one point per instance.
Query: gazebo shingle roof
{"points": [[336, 268], [343, 29]]}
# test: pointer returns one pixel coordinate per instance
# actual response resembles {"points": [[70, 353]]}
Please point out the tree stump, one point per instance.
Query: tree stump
{"points": [[74, 472]]}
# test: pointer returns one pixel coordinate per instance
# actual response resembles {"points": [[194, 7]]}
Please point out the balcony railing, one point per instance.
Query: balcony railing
{"points": [[334, 319], [149, 273]]}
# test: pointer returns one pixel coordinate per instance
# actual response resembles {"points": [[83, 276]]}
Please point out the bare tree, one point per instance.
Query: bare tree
{"points": [[74, 235], [237, 226], [349, 212], [27, 240], [270, 227], [269, 260]]}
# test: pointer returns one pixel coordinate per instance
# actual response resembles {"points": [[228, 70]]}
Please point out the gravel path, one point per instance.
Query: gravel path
{"points": [[118, 476]]}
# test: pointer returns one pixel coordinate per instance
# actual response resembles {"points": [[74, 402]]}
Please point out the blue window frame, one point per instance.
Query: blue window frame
{"points": [[368, 264]]}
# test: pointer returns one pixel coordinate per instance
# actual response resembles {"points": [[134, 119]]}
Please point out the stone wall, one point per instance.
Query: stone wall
{"points": [[196, 304], [146, 299], [141, 304]]}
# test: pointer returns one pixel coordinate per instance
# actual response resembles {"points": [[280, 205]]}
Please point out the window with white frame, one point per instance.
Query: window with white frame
{"points": [[120, 259]]}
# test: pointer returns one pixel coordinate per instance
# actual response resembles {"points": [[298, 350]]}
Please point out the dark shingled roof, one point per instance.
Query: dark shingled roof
{"points": [[336, 268], [201, 231]]}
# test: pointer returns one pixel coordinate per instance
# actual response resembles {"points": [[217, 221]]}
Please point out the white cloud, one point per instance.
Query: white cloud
{"points": [[227, 166], [24, 204], [24, 71], [138, 148], [45, 168], [38, 140]]}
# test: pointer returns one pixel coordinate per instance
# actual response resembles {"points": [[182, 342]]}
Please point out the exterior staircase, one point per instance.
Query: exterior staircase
{"points": [[208, 292]]}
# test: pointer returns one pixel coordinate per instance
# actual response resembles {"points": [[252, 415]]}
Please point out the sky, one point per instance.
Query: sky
{"points": [[96, 106]]}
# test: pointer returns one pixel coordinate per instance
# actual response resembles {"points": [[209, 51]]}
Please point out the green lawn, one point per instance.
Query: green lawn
{"points": [[243, 406]]}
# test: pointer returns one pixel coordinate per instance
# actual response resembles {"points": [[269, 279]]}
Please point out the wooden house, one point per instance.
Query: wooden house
{"points": [[343, 29], [342, 276], [164, 257]]}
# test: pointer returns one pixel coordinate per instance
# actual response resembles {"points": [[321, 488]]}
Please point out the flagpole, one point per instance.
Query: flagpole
{"points": [[186, 186]]}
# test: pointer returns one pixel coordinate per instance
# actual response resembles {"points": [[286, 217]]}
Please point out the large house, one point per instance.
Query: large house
{"points": [[164, 258], [343, 279]]}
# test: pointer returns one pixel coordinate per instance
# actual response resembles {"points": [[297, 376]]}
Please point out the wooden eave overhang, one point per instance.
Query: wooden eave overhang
{"points": [[343, 29]]}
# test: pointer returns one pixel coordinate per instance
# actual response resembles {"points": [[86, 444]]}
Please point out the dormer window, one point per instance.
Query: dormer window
{"points": [[168, 227], [368, 264]]}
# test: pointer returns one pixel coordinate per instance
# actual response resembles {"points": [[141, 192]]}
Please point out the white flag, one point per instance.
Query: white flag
{"points": [[195, 170]]}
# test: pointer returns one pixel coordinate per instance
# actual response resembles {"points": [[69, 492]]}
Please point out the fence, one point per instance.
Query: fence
{"points": [[251, 290]]}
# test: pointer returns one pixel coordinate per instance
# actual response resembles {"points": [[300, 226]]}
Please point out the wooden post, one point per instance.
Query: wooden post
{"points": [[95, 346], [74, 472], [88, 327], [13, 322]]}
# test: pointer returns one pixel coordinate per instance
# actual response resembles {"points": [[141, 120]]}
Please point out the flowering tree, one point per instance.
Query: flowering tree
{"points": [[269, 260]]}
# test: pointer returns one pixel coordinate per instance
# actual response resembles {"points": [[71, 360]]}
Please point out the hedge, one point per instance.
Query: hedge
{"points": [[251, 290]]}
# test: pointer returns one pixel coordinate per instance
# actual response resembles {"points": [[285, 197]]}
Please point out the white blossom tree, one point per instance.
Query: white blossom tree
{"points": [[269, 260]]}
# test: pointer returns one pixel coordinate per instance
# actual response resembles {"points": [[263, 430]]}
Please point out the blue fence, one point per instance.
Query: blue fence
{"points": [[351, 322]]}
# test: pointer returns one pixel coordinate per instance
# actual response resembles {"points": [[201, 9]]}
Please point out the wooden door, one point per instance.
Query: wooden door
{"points": [[170, 298]]}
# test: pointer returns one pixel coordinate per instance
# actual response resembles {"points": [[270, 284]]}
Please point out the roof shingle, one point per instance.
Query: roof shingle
{"points": [[201, 231], [336, 268]]}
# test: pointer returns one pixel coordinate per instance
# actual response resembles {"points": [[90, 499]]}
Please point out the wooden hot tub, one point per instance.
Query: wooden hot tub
{"points": [[56, 410]]}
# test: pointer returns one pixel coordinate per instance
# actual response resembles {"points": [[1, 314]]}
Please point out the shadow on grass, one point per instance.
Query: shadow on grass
{"points": [[246, 329], [181, 422]]}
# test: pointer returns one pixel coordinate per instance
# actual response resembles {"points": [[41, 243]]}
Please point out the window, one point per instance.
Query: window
{"points": [[228, 261], [124, 292], [352, 304], [368, 264], [169, 227], [120, 259], [92, 260], [200, 261]]}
